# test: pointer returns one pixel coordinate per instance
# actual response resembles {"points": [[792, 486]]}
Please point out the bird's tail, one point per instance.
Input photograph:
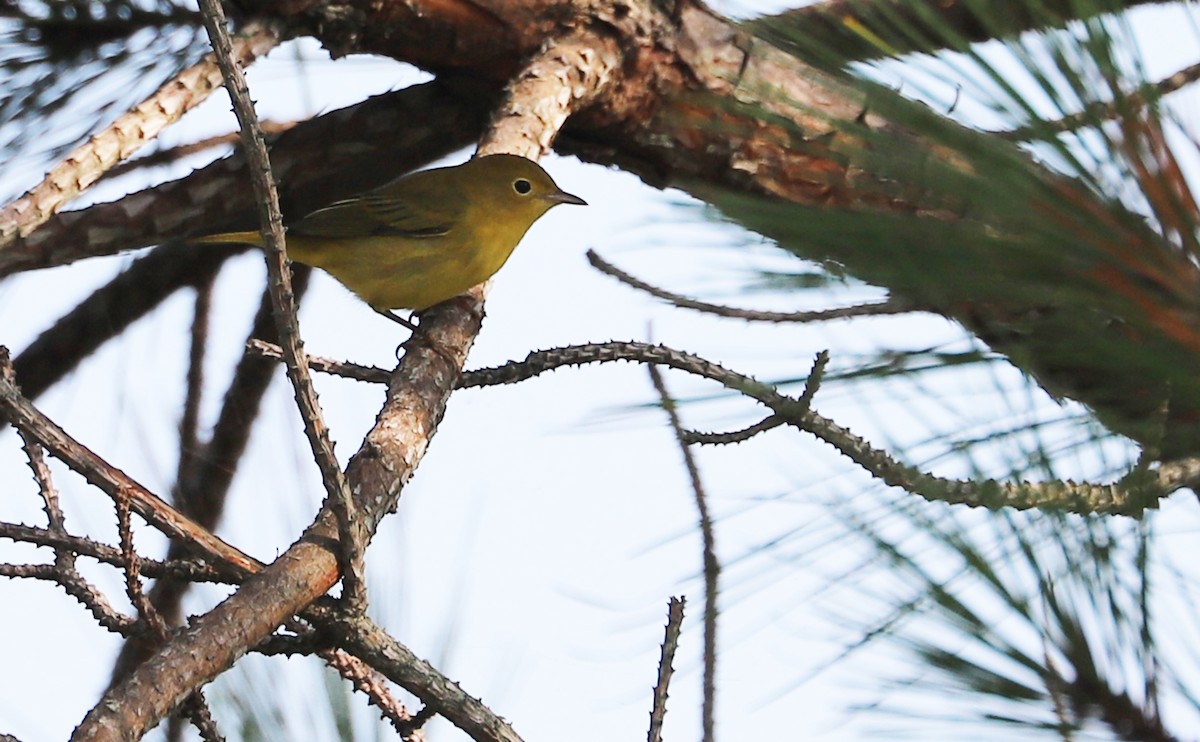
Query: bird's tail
{"points": [[229, 238]]}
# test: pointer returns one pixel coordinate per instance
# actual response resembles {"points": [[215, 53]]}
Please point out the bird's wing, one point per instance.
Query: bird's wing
{"points": [[404, 208]]}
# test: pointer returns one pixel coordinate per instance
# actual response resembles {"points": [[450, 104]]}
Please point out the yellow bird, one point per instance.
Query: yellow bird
{"points": [[425, 237]]}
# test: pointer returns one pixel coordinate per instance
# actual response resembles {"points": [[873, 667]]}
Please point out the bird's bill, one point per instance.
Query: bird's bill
{"points": [[562, 197]]}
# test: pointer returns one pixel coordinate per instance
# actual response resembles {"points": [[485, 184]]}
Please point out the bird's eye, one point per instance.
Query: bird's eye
{"points": [[522, 186]]}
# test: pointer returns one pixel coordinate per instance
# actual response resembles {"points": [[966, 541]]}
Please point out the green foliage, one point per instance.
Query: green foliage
{"points": [[1072, 255], [1039, 621]]}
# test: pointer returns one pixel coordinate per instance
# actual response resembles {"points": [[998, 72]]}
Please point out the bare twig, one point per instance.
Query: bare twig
{"points": [[712, 566], [360, 635], [63, 571], [413, 731], [184, 569], [1107, 110], [154, 628], [25, 417], [770, 422], [1130, 496], [147, 615], [891, 306], [374, 685], [80, 589], [345, 369], [352, 538], [665, 668], [196, 710]]}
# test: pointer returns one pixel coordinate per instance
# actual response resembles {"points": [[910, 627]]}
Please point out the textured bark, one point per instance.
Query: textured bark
{"points": [[126, 135], [563, 77], [697, 103], [332, 156], [670, 91]]}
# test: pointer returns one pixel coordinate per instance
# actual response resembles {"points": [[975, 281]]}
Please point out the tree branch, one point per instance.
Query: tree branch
{"points": [[891, 306], [25, 417], [711, 565], [125, 136], [670, 643], [279, 279], [1130, 496], [417, 394]]}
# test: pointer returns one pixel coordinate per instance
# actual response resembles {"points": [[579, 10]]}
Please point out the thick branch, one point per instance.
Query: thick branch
{"points": [[125, 136], [332, 156], [417, 396], [114, 482]]}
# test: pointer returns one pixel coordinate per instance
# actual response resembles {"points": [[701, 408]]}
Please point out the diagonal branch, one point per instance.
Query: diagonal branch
{"points": [[331, 156], [112, 481], [361, 636], [110, 309], [282, 299], [566, 75], [126, 135]]}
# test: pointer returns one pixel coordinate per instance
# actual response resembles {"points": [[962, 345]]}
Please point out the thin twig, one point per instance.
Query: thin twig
{"points": [[271, 220], [358, 634], [147, 615], [1130, 496], [184, 569], [770, 421], [1106, 110], [345, 369], [154, 627], [665, 668], [78, 588], [414, 730], [64, 571], [366, 680], [712, 566], [891, 306], [196, 709], [110, 480]]}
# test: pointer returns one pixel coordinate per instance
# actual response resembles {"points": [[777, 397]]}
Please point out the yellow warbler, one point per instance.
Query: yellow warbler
{"points": [[424, 237]]}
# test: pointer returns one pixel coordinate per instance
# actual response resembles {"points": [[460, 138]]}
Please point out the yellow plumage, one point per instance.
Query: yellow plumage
{"points": [[425, 237]]}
